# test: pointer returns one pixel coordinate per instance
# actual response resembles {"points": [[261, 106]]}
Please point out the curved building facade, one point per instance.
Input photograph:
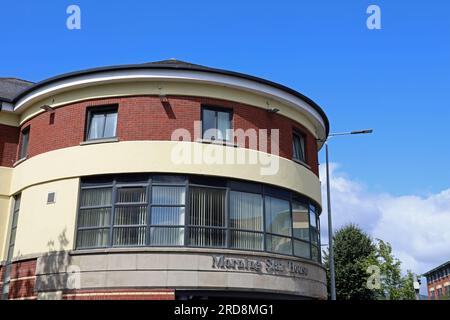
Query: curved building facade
{"points": [[164, 180]]}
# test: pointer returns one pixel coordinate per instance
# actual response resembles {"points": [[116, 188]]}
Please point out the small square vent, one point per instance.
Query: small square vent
{"points": [[51, 197]]}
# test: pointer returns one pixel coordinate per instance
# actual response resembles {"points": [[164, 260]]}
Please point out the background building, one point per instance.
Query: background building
{"points": [[438, 282], [94, 204]]}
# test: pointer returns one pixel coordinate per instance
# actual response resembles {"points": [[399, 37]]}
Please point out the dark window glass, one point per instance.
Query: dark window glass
{"points": [[216, 124], [130, 216], [302, 249], [168, 209], [300, 222], [279, 244], [138, 210], [278, 216], [164, 236], [298, 147], [102, 123], [207, 209], [24, 143], [246, 211], [247, 240], [94, 218]]}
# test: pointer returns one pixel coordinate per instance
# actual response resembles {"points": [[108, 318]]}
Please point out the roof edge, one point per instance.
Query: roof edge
{"points": [[181, 66], [437, 268]]}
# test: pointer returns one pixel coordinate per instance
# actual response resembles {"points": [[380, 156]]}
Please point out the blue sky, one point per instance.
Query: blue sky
{"points": [[395, 80]]}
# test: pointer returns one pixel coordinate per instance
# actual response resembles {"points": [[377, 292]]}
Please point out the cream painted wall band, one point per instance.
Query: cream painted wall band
{"points": [[155, 156]]}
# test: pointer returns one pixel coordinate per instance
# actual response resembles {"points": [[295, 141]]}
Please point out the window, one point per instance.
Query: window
{"points": [[94, 218], [11, 244], [170, 210], [168, 215], [315, 233], [101, 123], [130, 216], [278, 221], [300, 229], [246, 213], [207, 217], [216, 124], [298, 147], [24, 143]]}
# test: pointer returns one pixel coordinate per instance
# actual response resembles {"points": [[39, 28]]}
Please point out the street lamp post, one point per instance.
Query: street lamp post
{"points": [[330, 224]]}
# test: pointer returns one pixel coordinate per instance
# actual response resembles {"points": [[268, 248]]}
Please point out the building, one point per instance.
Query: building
{"points": [[129, 182], [438, 282]]}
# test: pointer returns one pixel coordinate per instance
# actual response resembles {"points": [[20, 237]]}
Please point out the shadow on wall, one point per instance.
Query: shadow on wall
{"points": [[54, 271]]}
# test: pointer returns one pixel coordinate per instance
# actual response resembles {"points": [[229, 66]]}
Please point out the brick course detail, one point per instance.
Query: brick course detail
{"points": [[122, 294], [22, 280]]}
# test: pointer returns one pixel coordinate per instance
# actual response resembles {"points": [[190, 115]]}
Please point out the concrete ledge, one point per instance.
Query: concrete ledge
{"points": [[174, 269]]}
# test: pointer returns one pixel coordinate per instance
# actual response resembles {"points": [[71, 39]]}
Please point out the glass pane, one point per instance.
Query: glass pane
{"points": [[207, 207], [127, 215], [110, 125], [129, 236], [300, 221], [298, 147], [208, 123], [315, 253], [96, 197], [314, 236], [205, 237], [312, 219], [168, 215], [93, 238], [168, 195], [247, 240], [279, 244], [223, 126], [246, 211], [278, 216], [24, 145], [97, 125], [94, 217], [125, 195], [302, 249], [167, 236]]}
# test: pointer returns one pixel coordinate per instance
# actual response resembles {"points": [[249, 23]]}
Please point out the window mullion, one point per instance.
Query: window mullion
{"points": [[187, 211], [227, 219], [113, 213], [149, 211]]}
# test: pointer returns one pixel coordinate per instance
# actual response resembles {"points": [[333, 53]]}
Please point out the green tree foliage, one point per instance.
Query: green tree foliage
{"points": [[355, 253], [352, 247], [392, 286]]}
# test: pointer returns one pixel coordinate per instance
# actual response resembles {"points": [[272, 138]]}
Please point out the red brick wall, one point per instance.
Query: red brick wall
{"points": [[146, 118], [436, 283], [9, 140], [23, 279], [122, 294]]}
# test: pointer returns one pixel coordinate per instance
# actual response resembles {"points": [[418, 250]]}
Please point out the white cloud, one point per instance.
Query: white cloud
{"points": [[418, 228]]}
